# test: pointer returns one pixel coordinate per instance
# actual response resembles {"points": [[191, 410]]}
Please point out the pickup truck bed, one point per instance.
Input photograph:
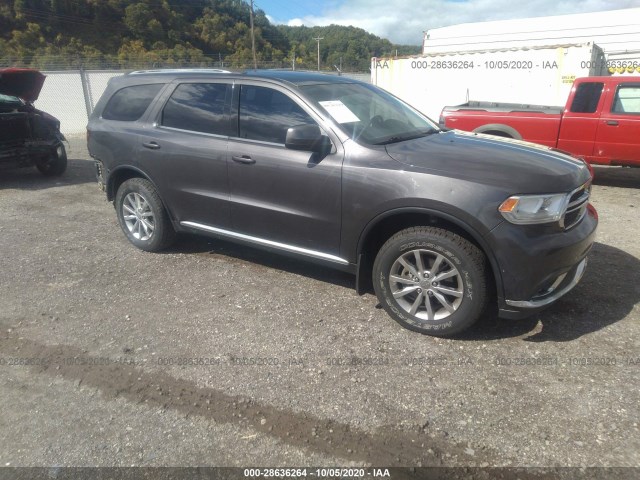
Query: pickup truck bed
{"points": [[534, 123], [506, 107]]}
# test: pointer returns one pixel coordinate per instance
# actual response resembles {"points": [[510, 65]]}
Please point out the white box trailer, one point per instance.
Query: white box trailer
{"points": [[539, 75], [617, 32]]}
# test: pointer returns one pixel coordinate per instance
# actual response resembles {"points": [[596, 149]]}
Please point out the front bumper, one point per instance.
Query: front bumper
{"points": [[539, 265], [27, 153], [562, 285]]}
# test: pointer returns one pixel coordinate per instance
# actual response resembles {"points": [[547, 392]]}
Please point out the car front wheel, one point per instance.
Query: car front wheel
{"points": [[431, 280], [142, 215]]}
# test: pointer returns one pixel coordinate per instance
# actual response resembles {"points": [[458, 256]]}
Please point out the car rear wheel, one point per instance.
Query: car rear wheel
{"points": [[55, 164], [431, 280], [142, 215]]}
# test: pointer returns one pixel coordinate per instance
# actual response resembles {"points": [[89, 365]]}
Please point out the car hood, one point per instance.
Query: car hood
{"points": [[24, 83], [521, 167]]}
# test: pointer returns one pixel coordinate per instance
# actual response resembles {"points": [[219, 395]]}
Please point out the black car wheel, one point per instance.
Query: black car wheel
{"points": [[431, 280], [142, 215], [55, 164]]}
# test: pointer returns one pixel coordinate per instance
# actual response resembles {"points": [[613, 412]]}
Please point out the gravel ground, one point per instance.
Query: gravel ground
{"points": [[214, 354]]}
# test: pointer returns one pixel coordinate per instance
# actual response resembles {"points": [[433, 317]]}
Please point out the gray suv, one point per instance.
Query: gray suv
{"points": [[342, 173]]}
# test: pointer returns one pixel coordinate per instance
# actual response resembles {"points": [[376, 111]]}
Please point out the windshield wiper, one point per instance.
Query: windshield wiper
{"points": [[402, 138]]}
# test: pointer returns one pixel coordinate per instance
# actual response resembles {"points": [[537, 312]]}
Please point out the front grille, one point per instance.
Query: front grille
{"points": [[14, 128], [577, 207]]}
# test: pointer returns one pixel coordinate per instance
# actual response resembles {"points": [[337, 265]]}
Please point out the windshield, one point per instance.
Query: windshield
{"points": [[368, 114]]}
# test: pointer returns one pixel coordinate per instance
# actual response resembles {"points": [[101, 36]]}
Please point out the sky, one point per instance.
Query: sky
{"points": [[403, 21]]}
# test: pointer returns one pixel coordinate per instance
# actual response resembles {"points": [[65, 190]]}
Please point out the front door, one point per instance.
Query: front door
{"points": [[277, 194], [580, 121]]}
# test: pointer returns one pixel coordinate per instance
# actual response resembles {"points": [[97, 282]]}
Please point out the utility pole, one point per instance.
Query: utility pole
{"points": [[317, 39], [253, 39]]}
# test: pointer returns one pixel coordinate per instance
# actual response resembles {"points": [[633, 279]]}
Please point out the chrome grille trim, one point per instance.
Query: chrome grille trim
{"points": [[577, 207]]}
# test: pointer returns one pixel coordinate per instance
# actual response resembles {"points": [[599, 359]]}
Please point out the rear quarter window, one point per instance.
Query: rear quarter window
{"points": [[129, 103]]}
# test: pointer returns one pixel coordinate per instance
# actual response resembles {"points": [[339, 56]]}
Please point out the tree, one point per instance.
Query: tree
{"points": [[137, 18], [171, 31]]}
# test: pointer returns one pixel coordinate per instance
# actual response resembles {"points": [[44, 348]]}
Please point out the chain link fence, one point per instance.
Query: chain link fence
{"points": [[74, 86], [70, 94], [153, 60]]}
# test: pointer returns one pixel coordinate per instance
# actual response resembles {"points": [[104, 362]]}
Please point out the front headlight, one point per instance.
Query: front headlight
{"points": [[530, 209]]}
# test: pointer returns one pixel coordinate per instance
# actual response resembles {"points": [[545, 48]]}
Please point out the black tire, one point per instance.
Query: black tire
{"points": [[148, 226], [55, 164], [459, 280]]}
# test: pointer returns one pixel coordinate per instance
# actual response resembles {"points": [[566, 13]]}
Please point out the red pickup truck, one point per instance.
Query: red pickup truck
{"points": [[601, 121]]}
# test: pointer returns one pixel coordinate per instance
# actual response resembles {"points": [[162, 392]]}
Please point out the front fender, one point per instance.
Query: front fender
{"points": [[474, 233]]}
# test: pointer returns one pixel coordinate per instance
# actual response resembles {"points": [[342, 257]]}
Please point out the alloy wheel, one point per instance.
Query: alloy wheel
{"points": [[138, 216], [426, 285]]}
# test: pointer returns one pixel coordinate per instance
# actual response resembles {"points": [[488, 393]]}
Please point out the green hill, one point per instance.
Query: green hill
{"points": [[135, 34]]}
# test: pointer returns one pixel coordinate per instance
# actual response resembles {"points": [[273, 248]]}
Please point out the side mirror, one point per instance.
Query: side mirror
{"points": [[308, 138]]}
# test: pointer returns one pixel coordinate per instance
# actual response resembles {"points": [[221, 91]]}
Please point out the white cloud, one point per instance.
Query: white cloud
{"points": [[403, 21]]}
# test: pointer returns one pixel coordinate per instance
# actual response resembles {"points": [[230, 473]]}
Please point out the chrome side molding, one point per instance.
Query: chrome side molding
{"points": [[267, 243]]}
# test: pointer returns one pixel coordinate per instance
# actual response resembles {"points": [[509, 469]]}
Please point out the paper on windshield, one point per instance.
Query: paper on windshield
{"points": [[339, 111]]}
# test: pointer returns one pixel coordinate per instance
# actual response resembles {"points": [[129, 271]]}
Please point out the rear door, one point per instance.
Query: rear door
{"points": [[115, 129], [281, 195], [185, 151], [618, 138]]}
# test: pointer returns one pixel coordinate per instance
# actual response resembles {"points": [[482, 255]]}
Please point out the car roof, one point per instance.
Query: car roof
{"points": [[282, 76], [298, 78]]}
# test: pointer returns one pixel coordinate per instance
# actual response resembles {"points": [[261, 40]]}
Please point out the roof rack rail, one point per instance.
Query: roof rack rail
{"points": [[180, 70]]}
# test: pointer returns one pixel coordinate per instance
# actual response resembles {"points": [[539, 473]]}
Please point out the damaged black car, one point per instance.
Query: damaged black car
{"points": [[28, 137]]}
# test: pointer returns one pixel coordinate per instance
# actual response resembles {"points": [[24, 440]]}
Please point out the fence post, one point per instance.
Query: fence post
{"points": [[88, 101]]}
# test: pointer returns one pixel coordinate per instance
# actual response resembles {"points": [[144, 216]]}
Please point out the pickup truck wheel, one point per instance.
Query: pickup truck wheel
{"points": [[142, 215], [431, 280], [55, 164]]}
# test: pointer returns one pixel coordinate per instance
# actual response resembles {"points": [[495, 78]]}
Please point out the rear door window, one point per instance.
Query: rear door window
{"points": [[266, 114], [198, 107], [129, 104]]}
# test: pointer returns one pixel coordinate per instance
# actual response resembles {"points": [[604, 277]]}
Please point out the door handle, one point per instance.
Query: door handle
{"points": [[612, 122], [246, 159], [151, 145]]}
